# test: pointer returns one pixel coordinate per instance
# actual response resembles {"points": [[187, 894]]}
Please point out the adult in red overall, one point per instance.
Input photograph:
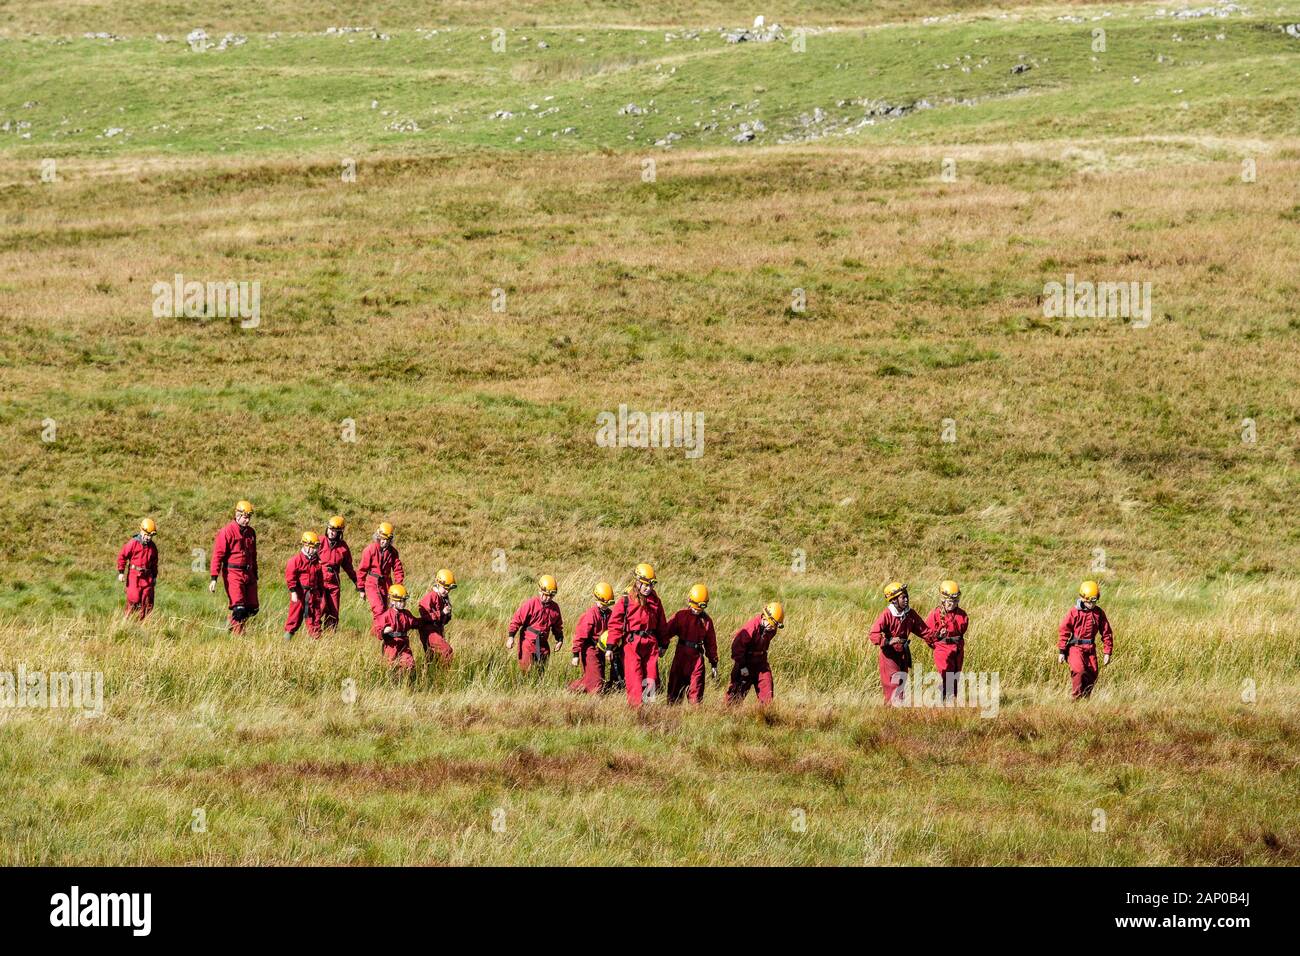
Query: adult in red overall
{"points": [[137, 568], [393, 626], [234, 560], [588, 653], [892, 633], [945, 632], [696, 641], [305, 579], [749, 666], [435, 614], [336, 563], [1077, 640], [380, 569], [535, 622], [637, 630]]}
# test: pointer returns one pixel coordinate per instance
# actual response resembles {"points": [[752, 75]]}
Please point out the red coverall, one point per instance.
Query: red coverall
{"points": [[895, 661], [435, 612], [335, 557], [1078, 640], [594, 620], [379, 569], [234, 560], [396, 644], [138, 560], [533, 622], [696, 640], [950, 651], [749, 651], [305, 578], [637, 629]]}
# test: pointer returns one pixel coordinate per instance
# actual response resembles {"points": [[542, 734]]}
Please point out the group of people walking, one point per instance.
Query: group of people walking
{"points": [[618, 642]]}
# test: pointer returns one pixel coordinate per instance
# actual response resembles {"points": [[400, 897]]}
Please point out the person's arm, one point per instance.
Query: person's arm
{"points": [[877, 635], [661, 629], [933, 628], [617, 623], [557, 626], [399, 574], [1107, 636], [740, 646], [291, 575], [346, 565], [122, 557], [520, 619], [711, 643], [1067, 628], [957, 624], [220, 550]]}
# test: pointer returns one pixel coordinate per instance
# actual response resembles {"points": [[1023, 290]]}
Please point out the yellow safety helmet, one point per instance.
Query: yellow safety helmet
{"points": [[547, 584], [244, 506], [893, 589], [645, 574], [385, 529], [1089, 591], [950, 589], [310, 537], [338, 523], [603, 593], [148, 526], [446, 578], [699, 596], [774, 613], [397, 592]]}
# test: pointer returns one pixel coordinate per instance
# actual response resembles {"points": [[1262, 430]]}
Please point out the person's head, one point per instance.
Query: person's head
{"points": [[949, 595], [698, 599], [603, 592], [546, 588], [645, 580], [334, 530], [384, 534], [1089, 595], [773, 617], [148, 529], [397, 596], [896, 594], [445, 582], [310, 543], [243, 513]]}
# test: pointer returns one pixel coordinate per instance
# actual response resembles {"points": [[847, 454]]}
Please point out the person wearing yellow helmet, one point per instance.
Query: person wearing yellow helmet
{"points": [[380, 568], [305, 579], [535, 622], [945, 632], [587, 652], [697, 640], [336, 564], [749, 663], [1076, 642], [393, 626], [234, 561], [435, 615], [892, 632], [137, 568], [637, 631]]}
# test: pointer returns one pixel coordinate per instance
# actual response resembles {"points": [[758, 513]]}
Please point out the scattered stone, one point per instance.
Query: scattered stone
{"points": [[1293, 30], [631, 110], [112, 131], [1021, 68], [404, 126], [502, 115]]}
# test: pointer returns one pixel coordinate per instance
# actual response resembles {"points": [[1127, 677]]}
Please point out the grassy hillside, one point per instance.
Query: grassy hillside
{"points": [[1158, 458]]}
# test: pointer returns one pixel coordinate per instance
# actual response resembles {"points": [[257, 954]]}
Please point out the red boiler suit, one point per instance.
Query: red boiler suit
{"points": [[534, 622], [950, 650], [396, 643], [336, 560], [586, 647], [380, 568], [696, 641], [435, 613], [895, 661], [749, 652], [637, 629], [305, 579], [234, 560], [1078, 641], [138, 561]]}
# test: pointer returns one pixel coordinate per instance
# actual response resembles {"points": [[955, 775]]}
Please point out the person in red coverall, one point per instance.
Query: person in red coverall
{"points": [[945, 632], [749, 667], [637, 630], [393, 626], [305, 579], [336, 563], [137, 568], [587, 650], [1077, 640], [891, 633], [696, 641], [435, 613], [537, 619], [380, 568], [234, 560]]}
